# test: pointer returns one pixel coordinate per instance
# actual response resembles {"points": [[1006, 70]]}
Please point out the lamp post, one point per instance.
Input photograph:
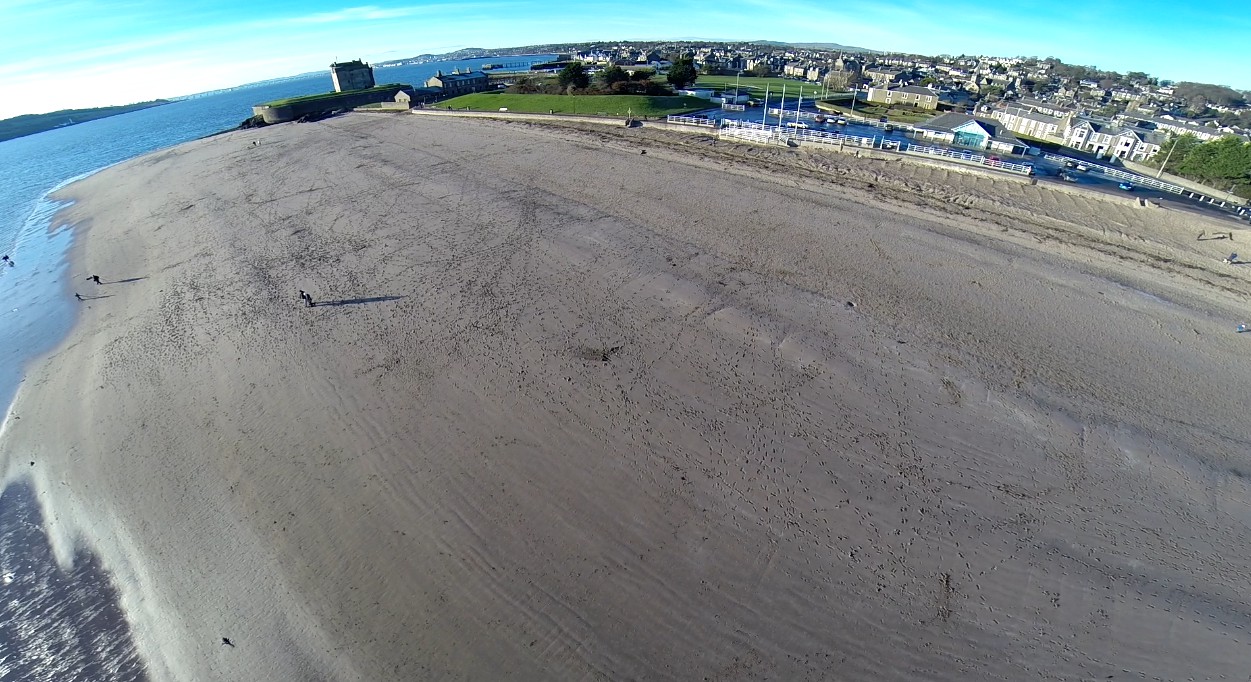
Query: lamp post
{"points": [[1168, 156]]}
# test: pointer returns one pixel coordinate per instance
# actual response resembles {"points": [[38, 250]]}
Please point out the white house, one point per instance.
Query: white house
{"points": [[1103, 138]]}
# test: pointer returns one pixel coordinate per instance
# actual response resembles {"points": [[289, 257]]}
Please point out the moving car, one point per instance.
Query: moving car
{"points": [[1128, 187]]}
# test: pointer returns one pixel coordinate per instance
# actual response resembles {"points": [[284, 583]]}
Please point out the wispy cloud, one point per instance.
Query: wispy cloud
{"points": [[351, 14]]}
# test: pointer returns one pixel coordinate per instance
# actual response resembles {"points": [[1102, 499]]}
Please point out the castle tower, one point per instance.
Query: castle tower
{"points": [[353, 75]]}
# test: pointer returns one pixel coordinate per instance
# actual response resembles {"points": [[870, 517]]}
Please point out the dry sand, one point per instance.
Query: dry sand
{"points": [[569, 411]]}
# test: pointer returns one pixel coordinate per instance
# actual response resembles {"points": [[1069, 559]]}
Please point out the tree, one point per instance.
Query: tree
{"points": [[573, 76], [525, 85], [1174, 151], [613, 74], [837, 80], [682, 73], [761, 70], [1221, 162]]}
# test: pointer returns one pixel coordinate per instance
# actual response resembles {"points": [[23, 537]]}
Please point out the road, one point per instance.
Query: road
{"points": [[1047, 169]]}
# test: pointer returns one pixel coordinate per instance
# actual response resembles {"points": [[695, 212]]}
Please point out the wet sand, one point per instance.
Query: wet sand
{"points": [[565, 410]]}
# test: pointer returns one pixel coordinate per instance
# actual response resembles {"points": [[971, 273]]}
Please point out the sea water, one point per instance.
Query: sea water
{"points": [[64, 623]]}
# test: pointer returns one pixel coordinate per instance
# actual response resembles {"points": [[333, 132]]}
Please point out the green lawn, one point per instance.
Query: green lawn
{"points": [[897, 114], [755, 86], [588, 105]]}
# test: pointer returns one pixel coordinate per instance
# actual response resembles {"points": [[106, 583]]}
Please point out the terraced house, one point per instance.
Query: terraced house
{"points": [[911, 95], [1104, 138], [1031, 123]]}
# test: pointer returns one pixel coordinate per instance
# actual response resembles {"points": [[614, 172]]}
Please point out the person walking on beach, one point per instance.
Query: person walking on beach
{"points": [[306, 297], [95, 278], [79, 296], [7, 260]]}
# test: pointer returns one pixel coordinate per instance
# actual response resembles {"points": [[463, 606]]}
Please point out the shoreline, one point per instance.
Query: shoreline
{"points": [[550, 273]]}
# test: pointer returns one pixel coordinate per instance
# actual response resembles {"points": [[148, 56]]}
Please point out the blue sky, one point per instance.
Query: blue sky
{"points": [[58, 54]]}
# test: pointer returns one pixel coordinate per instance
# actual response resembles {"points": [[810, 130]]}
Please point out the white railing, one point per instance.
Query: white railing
{"points": [[1133, 178], [967, 156], [692, 121], [753, 135], [754, 131], [733, 107]]}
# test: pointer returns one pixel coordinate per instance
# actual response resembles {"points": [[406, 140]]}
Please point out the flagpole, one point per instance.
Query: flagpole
{"points": [[764, 115], [782, 105]]}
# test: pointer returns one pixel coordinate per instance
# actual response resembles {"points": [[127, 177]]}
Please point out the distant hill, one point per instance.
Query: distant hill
{"points": [[29, 124], [816, 46], [472, 52]]}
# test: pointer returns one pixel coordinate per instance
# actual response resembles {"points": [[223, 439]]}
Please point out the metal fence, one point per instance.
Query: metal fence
{"points": [[970, 157], [692, 121], [756, 132], [733, 107], [1134, 178]]}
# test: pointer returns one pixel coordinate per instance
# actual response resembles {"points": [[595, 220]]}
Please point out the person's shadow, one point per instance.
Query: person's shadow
{"points": [[95, 298], [356, 301], [126, 281]]}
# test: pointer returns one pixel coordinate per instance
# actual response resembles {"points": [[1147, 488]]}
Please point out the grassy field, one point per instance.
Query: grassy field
{"points": [[588, 105], [897, 114], [754, 86]]}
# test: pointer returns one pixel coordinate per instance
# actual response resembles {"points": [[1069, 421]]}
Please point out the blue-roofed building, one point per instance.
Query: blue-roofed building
{"points": [[965, 130]]}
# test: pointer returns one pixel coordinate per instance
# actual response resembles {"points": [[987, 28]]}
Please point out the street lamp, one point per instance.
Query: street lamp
{"points": [[1168, 156]]}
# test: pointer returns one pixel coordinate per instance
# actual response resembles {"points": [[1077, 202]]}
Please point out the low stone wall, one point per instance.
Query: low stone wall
{"points": [[345, 100]]}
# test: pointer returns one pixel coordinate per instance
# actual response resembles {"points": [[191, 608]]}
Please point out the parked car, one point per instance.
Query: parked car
{"points": [[1067, 177], [890, 144]]}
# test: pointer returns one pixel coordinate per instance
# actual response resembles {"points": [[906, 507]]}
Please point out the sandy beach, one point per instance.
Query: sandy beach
{"points": [[565, 410]]}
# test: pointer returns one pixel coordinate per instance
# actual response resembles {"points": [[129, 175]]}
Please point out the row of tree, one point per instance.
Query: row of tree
{"points": [[612, 80], [1223, 164]]}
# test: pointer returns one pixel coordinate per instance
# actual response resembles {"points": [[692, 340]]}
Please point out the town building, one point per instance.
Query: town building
{"points": [[1184, 127], [1031, 123], [911, 95], [883, 75], [1104, 138], [969, 131], [459, 82], [353, 75]]}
